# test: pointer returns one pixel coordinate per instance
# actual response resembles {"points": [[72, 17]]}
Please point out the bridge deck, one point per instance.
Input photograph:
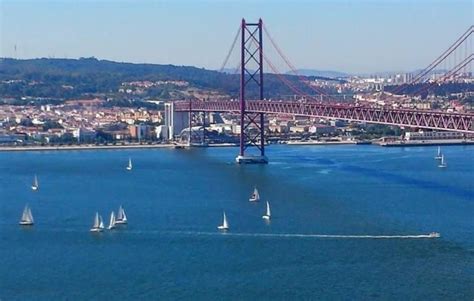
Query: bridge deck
{"points": [[410, 118]]}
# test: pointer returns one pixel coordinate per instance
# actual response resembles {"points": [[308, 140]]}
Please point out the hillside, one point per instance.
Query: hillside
{"points": [[72, 78], [320, 73]]}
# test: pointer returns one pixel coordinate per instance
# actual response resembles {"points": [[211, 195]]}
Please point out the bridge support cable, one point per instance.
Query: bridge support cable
{"points": [[439, 60], [284, 80], [444, 55], [452, 72], [292, 67], [231, 50]]}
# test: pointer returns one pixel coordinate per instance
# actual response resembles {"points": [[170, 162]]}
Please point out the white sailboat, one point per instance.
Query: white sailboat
{"points": [[255, 197], [98, 225], [442, 164], [129, 166], [268, 213], [35, 185], [27, 217], [438, 155], [112, 221], [121, 216], [225, 225]]}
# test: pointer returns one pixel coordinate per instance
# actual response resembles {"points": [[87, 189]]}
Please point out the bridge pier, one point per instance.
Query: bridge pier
{"points": [[251, 66]]}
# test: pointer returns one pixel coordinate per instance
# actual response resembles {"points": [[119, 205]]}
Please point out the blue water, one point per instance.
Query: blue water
{"points": [[174, 199]]}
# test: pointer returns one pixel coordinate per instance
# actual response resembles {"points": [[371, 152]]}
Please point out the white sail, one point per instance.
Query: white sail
{"points": [[35, 184], [101, 224], [121, 216], [27, 216], [267, 213], [438, 155], [130, 166], [443, 162], [124, 216], [24, 216], [225, 225], [30, 215], [96, 221], [112, 220], [255, 195], [98, 225], [224, 222]]}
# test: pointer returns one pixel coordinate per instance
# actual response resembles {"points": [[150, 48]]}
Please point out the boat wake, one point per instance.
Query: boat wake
{"points": [[297, 235], [268, 235]]}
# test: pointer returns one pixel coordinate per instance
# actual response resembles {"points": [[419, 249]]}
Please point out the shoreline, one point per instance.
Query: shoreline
{"points": [[319, 143], [173, 146], [80, 147], [415, 143]]}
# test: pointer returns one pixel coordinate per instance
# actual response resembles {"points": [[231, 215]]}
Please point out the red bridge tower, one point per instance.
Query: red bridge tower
{"points": [[252, 130]]}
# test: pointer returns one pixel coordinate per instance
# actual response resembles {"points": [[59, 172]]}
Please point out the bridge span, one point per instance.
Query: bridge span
{"points": [[252, 112], [405, 118]]}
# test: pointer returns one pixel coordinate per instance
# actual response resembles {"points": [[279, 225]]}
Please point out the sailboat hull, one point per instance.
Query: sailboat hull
{"points": [[266, 217], [34, 188], [223, 228], [96, 230], [121, 222], [26, 223], [253, 200]]}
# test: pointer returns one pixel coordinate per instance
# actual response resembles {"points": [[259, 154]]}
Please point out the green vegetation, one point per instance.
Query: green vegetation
{"points": [[88, 77], [132, 103], [373, 131]]}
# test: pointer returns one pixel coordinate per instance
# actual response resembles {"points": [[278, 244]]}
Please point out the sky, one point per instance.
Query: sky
{"points": [[365, 36]]}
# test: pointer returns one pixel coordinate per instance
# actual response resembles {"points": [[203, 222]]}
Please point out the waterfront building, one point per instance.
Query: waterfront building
{"points": [[423, 135], [321, 129], [140, 131], [84, 135], [175, 121], [161, 132]]}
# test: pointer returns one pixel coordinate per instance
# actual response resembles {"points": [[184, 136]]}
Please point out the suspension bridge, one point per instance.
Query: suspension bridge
{"points": [[455, 60]]}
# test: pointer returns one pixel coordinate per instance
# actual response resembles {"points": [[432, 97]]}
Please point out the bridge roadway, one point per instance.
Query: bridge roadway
{"points": [[399, 117]]}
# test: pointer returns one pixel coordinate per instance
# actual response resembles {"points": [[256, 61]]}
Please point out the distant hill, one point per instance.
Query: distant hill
{"points": [[320, 73], [70, 78], [310, 74]]}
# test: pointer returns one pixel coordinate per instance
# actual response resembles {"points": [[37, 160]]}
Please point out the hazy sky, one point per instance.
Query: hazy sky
{"points": [[352, 36]]}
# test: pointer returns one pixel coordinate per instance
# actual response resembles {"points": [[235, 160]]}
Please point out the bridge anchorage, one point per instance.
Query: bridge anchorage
{"points": [[252, 129]]}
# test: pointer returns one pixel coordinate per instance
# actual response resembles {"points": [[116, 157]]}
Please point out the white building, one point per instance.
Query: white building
{"points": [[175, 121], [432, 135], [161, 132], [83, 134]]}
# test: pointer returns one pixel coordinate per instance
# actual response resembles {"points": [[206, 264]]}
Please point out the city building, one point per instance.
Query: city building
{"points": [[84, 135], [422, 135], [140, 131], [175, 121], [322, 129]]}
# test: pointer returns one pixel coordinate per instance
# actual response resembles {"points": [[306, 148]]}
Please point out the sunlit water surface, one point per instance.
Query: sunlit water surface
{"points": [[174, 199]]}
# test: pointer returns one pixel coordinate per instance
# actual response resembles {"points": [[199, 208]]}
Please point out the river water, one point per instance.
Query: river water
{"points": [[339, 217]]}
